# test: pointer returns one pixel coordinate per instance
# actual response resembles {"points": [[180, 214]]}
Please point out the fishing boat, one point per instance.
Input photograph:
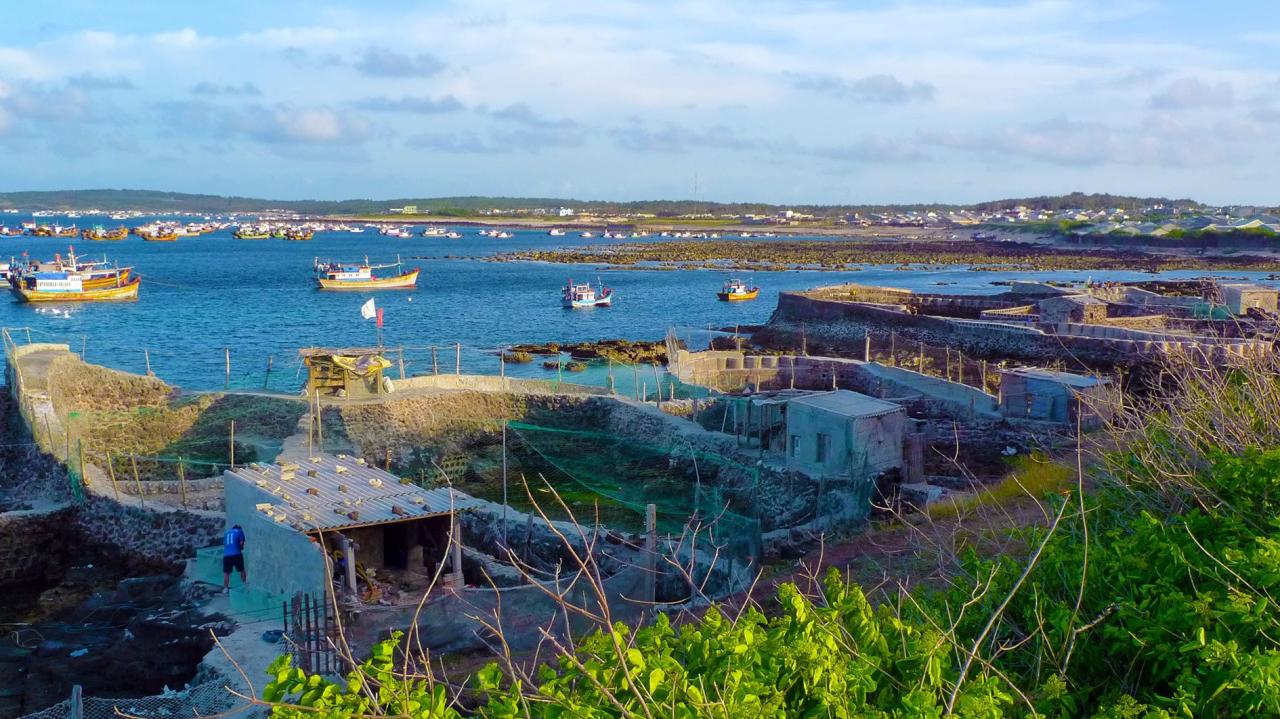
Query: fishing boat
{"points": [[10, 231], [93, 275], [157, 233], [248, 232], [298, 234], [737, 291], [331, 275], [584, 295], [100, 234], [435, 232], [556, 232], [66, 231], [69, 287]]}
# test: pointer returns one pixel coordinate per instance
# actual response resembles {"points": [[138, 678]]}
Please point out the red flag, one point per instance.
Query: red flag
{"points": [[379, 318]]}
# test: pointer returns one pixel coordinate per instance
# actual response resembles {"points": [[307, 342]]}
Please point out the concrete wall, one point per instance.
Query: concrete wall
{"points": [[278, 559]]}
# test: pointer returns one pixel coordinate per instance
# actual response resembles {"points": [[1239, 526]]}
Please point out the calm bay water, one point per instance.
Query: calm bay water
{"points": [[203, 294]]}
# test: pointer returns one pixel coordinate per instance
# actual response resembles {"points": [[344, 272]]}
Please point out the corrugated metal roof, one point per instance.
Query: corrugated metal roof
{"points": [[1067, 378], [328, 492], [848, 403]]}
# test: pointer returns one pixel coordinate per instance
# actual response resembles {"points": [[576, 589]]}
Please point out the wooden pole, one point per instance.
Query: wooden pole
{"points": [[982, 370], [137, 482], [866, 349], [267, 378], [502, 370], [319, 424], [650, 551], [77, 703], [311, 426], [231, 448], [435, 361], [457, 358], [402, 363], [504, 484], [84, 478], [657, 385], [893, 348], [111, 472], [227, 356], [457, 551], [921, 366], [182, 482], [146, 354]]}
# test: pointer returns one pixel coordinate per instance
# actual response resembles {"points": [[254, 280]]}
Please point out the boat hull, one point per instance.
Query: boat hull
{"points": [[407, 281], [113, 294], [104, 283], [738, 296], [578, 304]]}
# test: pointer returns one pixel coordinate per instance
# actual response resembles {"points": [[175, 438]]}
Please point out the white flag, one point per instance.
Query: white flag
{"points": [[368, 311]]}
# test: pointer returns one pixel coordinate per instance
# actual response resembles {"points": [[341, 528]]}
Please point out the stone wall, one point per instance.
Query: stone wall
{"points": [[842, 326], [153, 537], [33, 544]]}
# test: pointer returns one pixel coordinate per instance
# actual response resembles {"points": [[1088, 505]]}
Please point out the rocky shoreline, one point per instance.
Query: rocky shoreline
{"points": [[844, 255]]}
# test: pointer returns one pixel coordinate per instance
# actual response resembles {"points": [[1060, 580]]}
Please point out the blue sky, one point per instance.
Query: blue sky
{"points": [[824, 102]]}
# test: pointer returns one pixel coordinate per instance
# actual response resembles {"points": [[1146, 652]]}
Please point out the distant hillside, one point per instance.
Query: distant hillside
{"points": [[151, 200], [1082, 201]]}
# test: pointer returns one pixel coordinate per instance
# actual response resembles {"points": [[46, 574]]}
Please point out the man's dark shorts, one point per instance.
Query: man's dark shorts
{"points": [[235, 563]]}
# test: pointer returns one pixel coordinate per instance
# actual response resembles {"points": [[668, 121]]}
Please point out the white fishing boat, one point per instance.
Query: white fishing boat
{"points": [[584, 295], [556, 232]]}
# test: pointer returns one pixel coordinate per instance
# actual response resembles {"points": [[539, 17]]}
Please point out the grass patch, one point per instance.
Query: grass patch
{"points": [[1033, 476]]}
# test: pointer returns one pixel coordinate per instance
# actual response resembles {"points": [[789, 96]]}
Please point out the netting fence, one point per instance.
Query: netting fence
{"points": [[690, 487], [206, 699]]}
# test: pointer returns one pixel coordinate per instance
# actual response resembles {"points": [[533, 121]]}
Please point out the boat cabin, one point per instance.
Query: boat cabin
{"points": [[54, 282], [346, 273]]}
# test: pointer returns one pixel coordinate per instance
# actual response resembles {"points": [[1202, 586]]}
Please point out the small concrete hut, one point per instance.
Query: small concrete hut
{"points": [[351, 373], [291, 510], [1047, 395]]}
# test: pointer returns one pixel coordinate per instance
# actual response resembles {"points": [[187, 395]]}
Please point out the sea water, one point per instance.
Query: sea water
{"points": [[205, 296]]}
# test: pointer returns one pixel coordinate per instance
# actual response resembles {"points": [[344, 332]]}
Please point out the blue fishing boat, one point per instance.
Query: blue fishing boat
{"points": [[584, 295]]}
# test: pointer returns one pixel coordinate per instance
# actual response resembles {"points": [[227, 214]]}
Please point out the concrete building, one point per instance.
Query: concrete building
{"points": [[843, 434], [1051, 396], [1241, 297], [1072, 308], [293, 513]]}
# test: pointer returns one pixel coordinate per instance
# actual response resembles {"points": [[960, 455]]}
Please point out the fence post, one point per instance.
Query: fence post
{"points": [[651, 552], [111, 472], [182, 482], [267, 378], [402, 363], [457, 358], [146, 354], [137, 482], [227, 354], [77, 703], [84, 478], [893, 349], [231, 448], [84, 343], [866, 347], [435, 362], [458, 580]]}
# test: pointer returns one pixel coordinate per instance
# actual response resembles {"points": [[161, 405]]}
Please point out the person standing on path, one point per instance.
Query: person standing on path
{"points": [[232, 557]]}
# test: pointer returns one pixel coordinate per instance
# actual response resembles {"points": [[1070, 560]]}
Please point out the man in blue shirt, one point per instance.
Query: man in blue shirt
{"points": [[232, 557]]}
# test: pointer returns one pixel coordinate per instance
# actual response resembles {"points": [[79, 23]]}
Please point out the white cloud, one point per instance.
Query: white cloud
{"points": [[1189, 92]]}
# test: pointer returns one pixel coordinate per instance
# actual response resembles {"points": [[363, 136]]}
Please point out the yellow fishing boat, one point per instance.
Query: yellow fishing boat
{"points": [[344, 276], [737, 291], [67, 287]]}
